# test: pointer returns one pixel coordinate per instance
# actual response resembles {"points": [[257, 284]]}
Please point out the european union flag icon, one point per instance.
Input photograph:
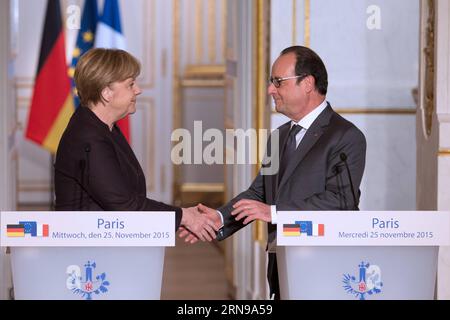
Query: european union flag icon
{"points": [[30, 227], [305, 227]]}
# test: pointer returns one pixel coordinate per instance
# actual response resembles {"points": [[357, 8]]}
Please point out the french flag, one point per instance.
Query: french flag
{"points": [[42, 230], [109, 35], [109, 29], [318, 230]]}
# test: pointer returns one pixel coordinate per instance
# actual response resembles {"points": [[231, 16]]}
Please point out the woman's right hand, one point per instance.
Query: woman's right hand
{"points": [[199, 224]]}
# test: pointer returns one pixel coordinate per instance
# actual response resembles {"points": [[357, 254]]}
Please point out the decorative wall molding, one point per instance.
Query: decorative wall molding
{"points": [[261, 118], [444, 153], [370, 111], [428, 103], [204, 71], [202, 83], [373, 111], [147, 106], [202, 187], [176, 85], [229, 123], [148, 58], [307, 36]]}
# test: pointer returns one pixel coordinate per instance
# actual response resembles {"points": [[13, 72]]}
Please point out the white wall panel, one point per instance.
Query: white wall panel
{"points": [[281, 26], [389, 181], [367, 70]]}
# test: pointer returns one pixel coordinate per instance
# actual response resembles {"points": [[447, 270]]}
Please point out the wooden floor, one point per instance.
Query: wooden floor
{"points": [[194, 272]]}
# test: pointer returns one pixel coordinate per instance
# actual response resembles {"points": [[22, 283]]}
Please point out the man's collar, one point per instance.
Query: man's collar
{"points": [[307, 120]]}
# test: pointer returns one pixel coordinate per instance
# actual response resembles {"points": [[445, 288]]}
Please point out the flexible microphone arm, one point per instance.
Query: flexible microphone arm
{"points": [[343, 157], [84, 167]]}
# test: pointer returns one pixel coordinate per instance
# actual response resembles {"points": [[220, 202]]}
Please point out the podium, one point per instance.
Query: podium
{"points": [[68, 273], [74, 260], [353, 258], [334, 273]]}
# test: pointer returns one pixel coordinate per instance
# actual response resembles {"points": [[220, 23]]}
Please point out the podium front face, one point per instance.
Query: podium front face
{"points": [[348, 273], [99, 273]]}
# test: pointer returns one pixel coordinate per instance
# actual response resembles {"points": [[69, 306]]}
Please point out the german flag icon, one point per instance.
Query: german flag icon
{"points": [[15, 230]]}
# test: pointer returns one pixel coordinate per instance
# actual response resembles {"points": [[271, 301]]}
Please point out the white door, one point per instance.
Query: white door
{"points": [[148, 28]]}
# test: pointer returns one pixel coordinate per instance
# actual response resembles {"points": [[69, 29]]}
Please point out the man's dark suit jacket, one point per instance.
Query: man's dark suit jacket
{"points": [[96, 170], [315, 178]]}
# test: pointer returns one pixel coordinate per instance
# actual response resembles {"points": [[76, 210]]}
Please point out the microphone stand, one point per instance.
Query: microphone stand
{"points": [[343, 157]]}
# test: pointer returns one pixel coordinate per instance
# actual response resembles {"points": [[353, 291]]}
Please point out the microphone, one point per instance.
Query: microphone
{"points": [[343, 157], [84, 167], [87, 149]]}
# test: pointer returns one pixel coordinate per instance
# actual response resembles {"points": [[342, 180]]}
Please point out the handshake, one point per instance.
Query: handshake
{"points": [[203, 223], [199, 223]]}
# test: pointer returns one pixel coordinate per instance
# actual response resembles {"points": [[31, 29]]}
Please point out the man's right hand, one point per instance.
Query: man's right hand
{"points": [[212, 214]]}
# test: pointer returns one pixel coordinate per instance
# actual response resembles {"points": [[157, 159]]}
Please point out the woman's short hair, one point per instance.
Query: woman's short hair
{"points": [[98, 68]]}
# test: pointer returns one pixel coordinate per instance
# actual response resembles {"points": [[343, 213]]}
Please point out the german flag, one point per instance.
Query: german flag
{"points": [[52, 103], [15, 230], [291, 230]]}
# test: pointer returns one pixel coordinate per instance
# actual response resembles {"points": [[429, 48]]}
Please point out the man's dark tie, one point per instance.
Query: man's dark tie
{"points": [[291, 145]]}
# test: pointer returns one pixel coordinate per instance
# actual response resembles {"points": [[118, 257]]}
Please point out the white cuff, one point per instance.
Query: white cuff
{"points": [[273, 214], [221, 217]]}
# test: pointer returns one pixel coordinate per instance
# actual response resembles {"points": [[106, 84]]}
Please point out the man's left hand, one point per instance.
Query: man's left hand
{"points": [[251, 210]]}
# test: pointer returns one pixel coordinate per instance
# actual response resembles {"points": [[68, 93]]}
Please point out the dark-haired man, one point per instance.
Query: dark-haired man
{"points": [[312, 144]]}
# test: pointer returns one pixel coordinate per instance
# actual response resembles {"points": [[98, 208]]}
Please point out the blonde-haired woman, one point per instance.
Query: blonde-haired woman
{"points": [[95, 167]]}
